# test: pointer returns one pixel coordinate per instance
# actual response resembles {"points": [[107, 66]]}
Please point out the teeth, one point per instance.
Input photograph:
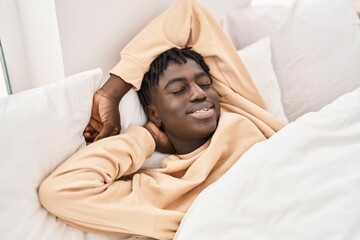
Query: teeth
{"points": [[202, 110]]}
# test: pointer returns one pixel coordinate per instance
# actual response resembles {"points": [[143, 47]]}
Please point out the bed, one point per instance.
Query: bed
{"points": [[302, 183]]}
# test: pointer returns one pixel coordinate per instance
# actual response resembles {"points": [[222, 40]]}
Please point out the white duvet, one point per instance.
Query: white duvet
{"points": [[303, 183]]}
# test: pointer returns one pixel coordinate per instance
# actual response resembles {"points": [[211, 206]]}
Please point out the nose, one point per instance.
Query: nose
{"points": [[196, 93]]}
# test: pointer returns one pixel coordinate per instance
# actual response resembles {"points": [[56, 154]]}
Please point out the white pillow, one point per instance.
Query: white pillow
{"points": [[245, 26], [257, 60], [39, 129], [315, 47], [132, 113]]}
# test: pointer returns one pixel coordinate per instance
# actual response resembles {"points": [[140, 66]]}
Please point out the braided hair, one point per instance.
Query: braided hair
{"points": [[159, 65]]}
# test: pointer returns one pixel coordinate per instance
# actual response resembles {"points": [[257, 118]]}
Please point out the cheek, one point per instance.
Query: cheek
{"points": [[170, 107], [213, 96]]}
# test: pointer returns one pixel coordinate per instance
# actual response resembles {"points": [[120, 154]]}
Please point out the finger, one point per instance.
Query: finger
{"points": [[106, 132], [88, 137], [95, 125], [89, 129], [88, 133], [94, 135], [150, 126], [116, 131]]}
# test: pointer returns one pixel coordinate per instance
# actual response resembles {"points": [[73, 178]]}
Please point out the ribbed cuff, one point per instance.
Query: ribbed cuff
{"points": [[130, 70]]}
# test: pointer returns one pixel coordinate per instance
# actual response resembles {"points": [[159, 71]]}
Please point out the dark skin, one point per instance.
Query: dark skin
{"points": [[184, 105], [105, 116]]}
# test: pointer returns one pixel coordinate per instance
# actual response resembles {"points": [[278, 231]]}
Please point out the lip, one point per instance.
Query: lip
{"points": [[202, 111], [200, 107]]}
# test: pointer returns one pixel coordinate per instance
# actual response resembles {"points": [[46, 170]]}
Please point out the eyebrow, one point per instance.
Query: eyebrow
{"points": [[174, 80], [182, 79]]}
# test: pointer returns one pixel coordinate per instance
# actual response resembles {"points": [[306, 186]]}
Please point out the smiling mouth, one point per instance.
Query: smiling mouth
{"points": [[203, 113], [202, 110]]}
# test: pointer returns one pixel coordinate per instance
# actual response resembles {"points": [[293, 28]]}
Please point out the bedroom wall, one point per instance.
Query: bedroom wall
{"points": [[30, 39], [92, 33], [13, 45], [47, 40], [41, 41]]}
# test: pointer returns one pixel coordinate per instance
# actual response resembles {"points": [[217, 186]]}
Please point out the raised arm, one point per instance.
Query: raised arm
{"points": [[186, 24]]}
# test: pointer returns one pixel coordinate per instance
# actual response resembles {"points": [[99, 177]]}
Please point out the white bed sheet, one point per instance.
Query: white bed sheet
{"points": [[302, 183]]}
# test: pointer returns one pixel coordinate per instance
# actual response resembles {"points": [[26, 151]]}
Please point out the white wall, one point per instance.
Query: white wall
{"points": [[41, 41], [93, 32], [13, 46], [46, 40], [30, 39]]}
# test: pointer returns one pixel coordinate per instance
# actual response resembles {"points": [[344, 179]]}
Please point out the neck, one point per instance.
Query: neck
{"points": [[187, 146]]}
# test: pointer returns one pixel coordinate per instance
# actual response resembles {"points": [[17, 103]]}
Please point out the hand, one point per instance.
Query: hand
{"points": [[162, 142], [105, 118]]}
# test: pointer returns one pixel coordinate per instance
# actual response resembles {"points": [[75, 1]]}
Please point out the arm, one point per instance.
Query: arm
{"points": [[187, 24], [87, 190], [105, 116], [162, 142]]}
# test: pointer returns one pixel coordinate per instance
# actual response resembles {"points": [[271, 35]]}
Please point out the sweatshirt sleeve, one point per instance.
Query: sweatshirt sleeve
{"points": [[188, 24], [90, 190]]}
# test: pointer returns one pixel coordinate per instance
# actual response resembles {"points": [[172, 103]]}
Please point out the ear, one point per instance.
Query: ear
{"points": [[153, 115]]}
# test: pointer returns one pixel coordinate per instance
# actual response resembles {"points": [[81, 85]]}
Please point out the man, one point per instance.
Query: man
{"points": [[178, 98], [185, 24], [102, 189]]}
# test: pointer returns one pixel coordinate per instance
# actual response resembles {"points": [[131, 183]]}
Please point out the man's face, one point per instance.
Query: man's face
{"points": [[185, 102]]}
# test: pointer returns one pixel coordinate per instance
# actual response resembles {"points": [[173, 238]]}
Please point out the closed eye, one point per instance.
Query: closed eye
{"points": [[178, 91], [203, 80], [205, 85]]}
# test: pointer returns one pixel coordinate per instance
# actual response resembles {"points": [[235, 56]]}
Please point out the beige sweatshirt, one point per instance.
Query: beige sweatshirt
{"points": [[101, 189], [188, 24]]}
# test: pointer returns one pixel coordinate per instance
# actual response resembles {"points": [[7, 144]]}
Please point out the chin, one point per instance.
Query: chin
{"points": [[207, 131]]}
